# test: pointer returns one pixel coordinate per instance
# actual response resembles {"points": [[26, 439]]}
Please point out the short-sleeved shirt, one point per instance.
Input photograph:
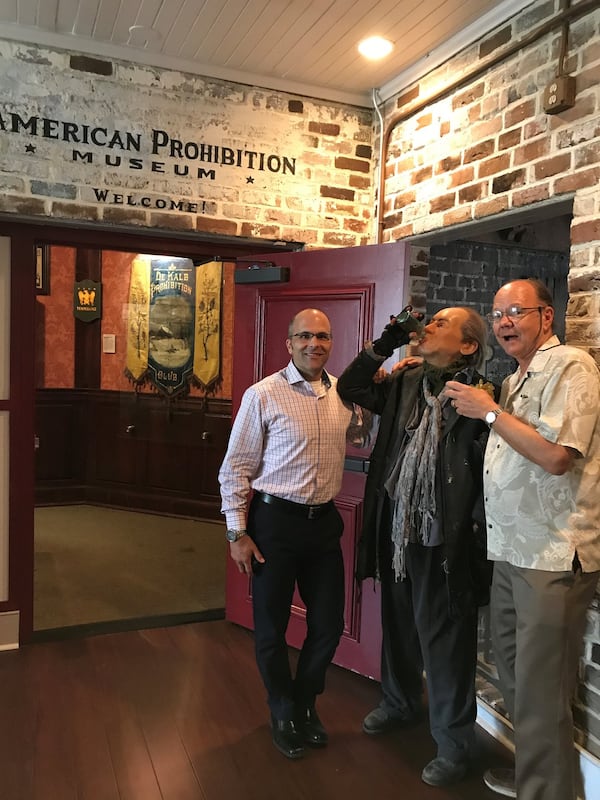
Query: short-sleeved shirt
{"points": [[534, 519]]}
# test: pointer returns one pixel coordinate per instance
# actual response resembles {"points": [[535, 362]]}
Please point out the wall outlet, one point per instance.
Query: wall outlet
{"points": [[560, 94]]}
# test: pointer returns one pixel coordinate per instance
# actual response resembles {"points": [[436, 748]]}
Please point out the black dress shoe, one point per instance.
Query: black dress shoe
{"points": [[310, 727], [286, 738]]}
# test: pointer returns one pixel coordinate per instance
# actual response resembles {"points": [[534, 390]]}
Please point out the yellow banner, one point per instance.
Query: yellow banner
{"points": [[138, 320], [207, 338]]}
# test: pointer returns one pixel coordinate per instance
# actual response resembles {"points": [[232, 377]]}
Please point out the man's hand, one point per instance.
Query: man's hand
{"points": [[469, 401], [392, 336], [242, 552]]}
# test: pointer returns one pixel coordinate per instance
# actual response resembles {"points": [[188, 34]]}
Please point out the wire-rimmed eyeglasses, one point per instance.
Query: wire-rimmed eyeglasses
{"points": [[514, 313], [306, 336]]}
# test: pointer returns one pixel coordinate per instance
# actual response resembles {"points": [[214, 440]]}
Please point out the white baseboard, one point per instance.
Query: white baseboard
{"points": [[9, 630], [501, 729]]}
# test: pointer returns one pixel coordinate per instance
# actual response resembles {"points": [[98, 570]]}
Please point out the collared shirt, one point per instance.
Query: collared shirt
{"points": [[287, 440], [538, 520]]}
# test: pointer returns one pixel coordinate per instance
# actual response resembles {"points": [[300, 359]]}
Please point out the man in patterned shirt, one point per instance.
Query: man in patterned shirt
{"points": [[541, 472], [287, 445]]}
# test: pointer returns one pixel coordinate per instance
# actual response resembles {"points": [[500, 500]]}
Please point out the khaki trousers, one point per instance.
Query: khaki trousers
{"points": [[538, 620]]}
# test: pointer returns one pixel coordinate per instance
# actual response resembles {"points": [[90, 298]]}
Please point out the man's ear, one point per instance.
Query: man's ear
{"points": [[468, 347], [288, 344], [548, 316]]}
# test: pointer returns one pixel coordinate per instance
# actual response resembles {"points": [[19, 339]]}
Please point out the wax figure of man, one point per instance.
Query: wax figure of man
{"points": [[424, 533], [288, 445], [543, 527]]}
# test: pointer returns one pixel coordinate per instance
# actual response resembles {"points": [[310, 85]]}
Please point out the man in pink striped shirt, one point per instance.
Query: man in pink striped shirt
{"points": [[287, 446]]}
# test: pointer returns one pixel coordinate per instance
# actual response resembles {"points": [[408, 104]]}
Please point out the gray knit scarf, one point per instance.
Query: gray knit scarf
{"points": [[411, 483]]}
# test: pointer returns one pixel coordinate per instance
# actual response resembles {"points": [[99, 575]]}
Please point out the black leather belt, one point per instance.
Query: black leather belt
{"points": [[298, 509]]}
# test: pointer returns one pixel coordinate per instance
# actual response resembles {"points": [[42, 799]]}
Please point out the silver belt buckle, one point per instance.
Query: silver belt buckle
{"points": [[312, 512]]}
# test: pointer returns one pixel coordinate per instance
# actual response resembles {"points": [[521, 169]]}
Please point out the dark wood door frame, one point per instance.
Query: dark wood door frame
{"points": [[25, 235]]}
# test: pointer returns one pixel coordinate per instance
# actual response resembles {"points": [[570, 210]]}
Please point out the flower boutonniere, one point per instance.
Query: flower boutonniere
{"points": [[486, 386]]}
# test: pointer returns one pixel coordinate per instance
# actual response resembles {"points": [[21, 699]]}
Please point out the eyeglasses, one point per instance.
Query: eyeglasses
{"points": [[514, 312], [306, 336]]}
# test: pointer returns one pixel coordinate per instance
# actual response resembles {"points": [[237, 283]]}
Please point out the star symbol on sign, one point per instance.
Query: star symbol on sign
{"points": [[30, 148], [249, 179]]}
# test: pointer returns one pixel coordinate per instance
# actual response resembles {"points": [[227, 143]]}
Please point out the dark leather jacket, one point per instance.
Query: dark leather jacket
{"points": [[459, 480]]}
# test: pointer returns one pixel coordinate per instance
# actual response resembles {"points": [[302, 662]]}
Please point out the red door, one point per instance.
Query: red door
{"points": [[358, 288]]}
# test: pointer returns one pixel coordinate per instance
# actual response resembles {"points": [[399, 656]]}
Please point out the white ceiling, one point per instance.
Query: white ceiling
{"points": [[302, 46]]}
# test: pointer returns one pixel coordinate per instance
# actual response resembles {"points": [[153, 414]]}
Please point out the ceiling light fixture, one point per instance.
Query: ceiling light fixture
{"points": [[375, 47]]}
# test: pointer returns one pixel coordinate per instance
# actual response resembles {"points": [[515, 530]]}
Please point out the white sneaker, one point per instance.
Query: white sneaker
{"points": [[501, 781]]}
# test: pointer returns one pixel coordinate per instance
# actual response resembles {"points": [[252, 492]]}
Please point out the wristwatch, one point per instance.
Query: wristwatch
{"points": [[493, 415], [233, 535]]}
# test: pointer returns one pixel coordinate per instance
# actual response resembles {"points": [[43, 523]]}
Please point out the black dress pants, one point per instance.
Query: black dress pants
{"points": [[305, 553], [418, 634]]}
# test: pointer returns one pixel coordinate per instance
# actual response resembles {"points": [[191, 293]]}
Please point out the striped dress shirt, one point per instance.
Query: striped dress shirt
{"points": [[287, 440]]}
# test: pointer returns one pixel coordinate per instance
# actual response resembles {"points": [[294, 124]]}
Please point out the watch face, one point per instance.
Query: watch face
{"points": [[490, 417]]}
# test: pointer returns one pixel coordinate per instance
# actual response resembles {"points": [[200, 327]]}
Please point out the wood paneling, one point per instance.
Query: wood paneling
{"points": [[129, 450]]}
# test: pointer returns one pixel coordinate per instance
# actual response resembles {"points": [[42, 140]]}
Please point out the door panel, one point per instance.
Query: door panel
{"points": [[358, 289]]}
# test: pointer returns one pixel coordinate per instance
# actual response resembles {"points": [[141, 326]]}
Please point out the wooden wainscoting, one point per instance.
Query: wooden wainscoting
{"points": [[130, 450]]}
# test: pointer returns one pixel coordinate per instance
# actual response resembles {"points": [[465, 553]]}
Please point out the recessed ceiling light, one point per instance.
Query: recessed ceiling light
{"points": [[375, 47]]}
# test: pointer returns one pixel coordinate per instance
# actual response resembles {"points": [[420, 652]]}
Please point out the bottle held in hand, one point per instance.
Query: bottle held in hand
{"points": [[397, 332]]}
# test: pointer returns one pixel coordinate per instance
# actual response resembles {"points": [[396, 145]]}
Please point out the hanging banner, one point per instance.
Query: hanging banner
{"points": [[87, 300], [174, 323], [138, 318], [207, 346]]}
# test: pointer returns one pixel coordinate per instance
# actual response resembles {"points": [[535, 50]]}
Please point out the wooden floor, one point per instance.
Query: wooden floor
{"points": [[179, 714]]}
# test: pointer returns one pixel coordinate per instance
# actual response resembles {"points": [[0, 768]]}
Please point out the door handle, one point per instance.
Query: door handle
{"points": [[130, 429]]}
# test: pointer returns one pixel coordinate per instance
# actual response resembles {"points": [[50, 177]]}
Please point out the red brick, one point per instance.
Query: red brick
{"points": [[577, 180], [582, 232], [531, 151], [494, 206], [408, 97], [461, 176], [458, 215], [352, 163], [471, 193], [492, 43], [447, 164], [325, 128], [442, 203], [509, 139], [424, 121], [421, 175], [355, 225], [552, 166], [478, 151], [492, 166], [519, 113], [359, 182], [468, 97], [404, 199], [508, 181], [211, 225], [337, 192], [531, 195], [445, 128]]}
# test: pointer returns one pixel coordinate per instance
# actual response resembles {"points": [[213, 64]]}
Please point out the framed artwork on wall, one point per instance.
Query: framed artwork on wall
{"points": [[42, 269]]}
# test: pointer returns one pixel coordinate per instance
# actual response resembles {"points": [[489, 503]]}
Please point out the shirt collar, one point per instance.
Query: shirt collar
{"points": [[293, 375]]}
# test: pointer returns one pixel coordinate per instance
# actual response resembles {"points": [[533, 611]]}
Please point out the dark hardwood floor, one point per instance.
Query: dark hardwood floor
{"points": [[179, 714]]}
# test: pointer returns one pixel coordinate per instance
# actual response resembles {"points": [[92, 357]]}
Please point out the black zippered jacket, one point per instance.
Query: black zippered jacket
{"points": [[459, 480]]}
